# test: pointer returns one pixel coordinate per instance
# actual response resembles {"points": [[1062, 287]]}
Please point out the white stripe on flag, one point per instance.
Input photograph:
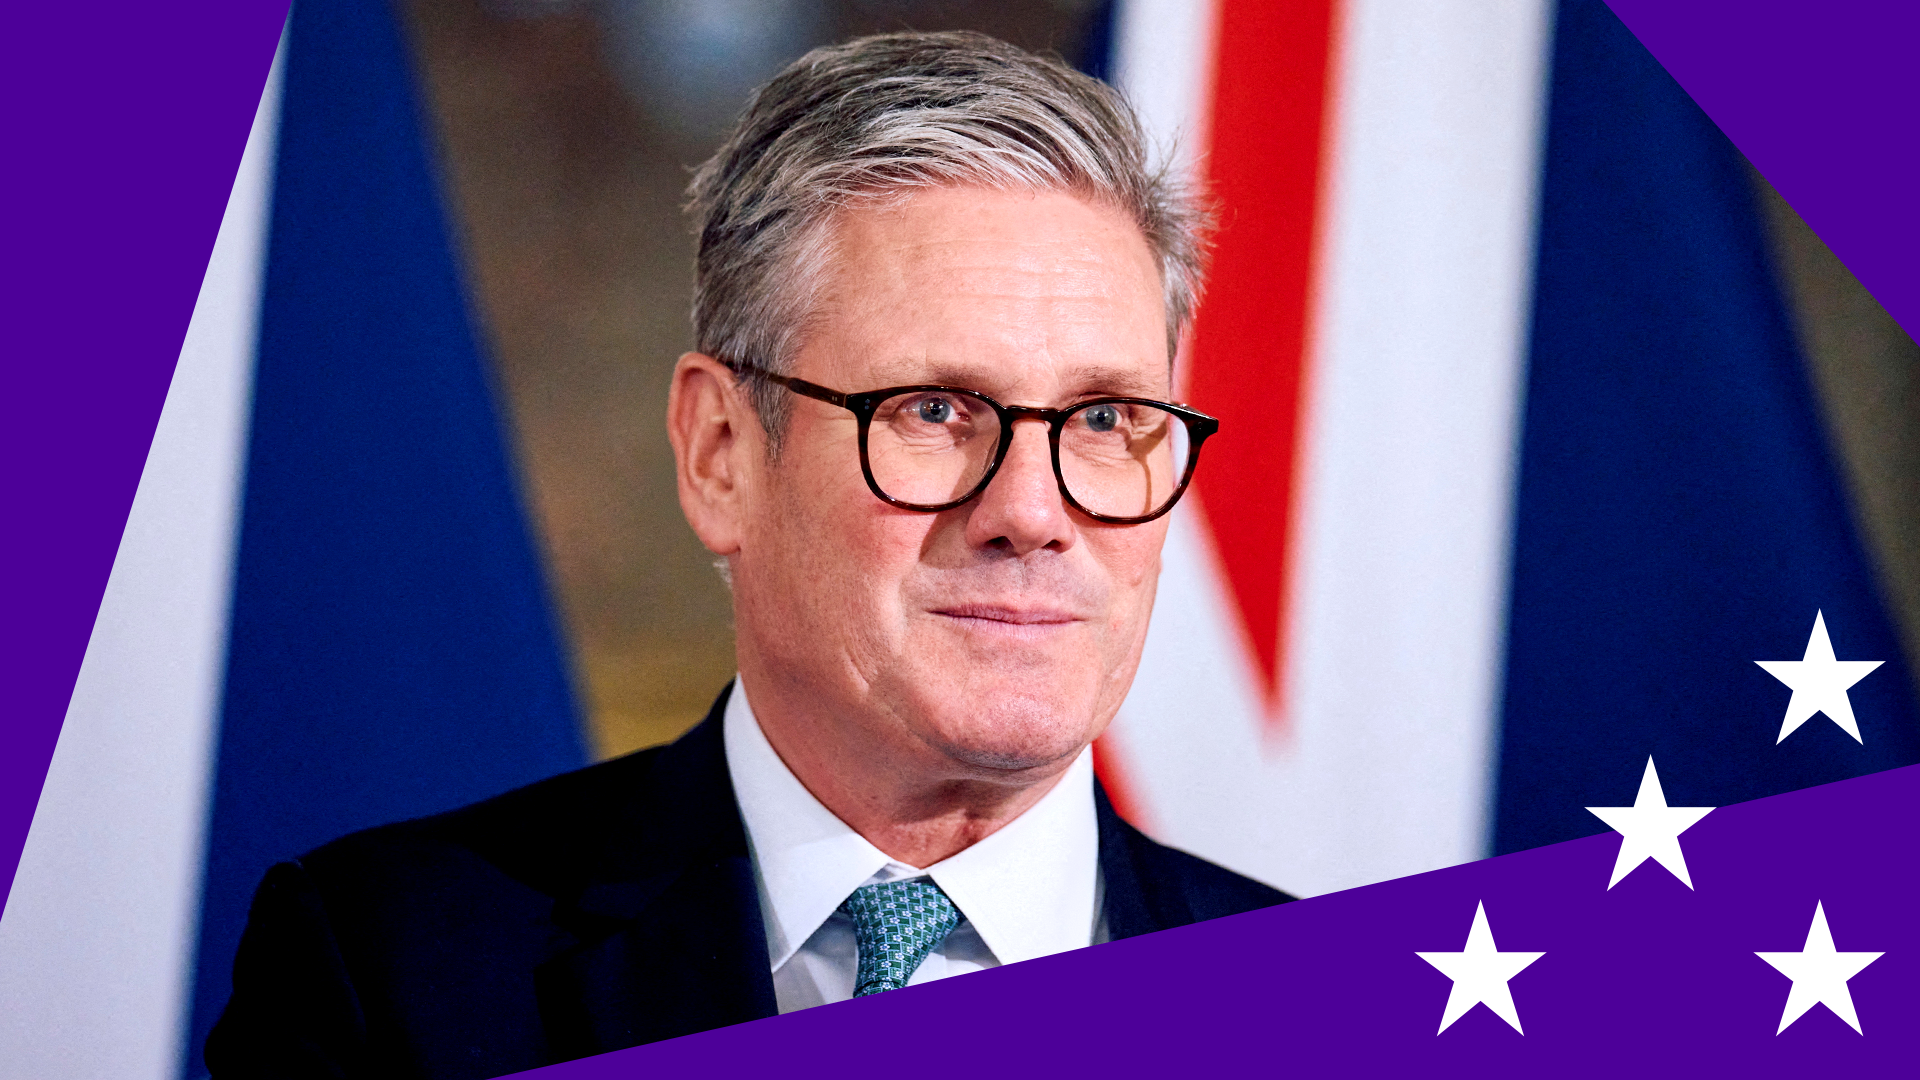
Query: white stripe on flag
{"points": [[96, 946], [1162, 57], [1397, 602]]}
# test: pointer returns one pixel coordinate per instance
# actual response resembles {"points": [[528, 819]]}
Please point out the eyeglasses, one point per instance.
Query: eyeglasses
{"points": [[1120, 460]]}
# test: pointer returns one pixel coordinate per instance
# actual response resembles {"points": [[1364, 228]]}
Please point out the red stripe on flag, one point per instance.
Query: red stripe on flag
{"points": [[1109, 766], [1264, 154]]}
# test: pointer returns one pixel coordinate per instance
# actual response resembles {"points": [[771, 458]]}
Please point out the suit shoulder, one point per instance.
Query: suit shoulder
{"points": [[1205, 890], [1213, 889], [1156, 887], [542, 834]]}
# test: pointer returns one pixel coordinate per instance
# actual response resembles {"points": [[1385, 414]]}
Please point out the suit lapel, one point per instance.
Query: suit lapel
{"points": [[1136, 900], [668, 934]]}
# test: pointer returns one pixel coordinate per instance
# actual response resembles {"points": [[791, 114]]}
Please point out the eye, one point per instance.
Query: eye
{"points": [[1102, 418], [936, 410]]}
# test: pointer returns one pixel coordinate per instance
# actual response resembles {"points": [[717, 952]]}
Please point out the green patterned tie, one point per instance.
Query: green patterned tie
{"points": [[896, 924]]}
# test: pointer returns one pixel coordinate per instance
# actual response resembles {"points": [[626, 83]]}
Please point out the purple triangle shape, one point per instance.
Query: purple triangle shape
{"points": [[1822, 99], [125, 131], [1648, 975]]}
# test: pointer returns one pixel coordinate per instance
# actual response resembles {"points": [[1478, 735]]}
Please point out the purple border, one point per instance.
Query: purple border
{"points": [[1649, 977], [131, 125], [1822, 99], [125, 127]]}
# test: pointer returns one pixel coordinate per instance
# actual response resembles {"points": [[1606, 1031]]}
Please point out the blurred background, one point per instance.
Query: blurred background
{"points": [[568, 132], [1544, 417]]}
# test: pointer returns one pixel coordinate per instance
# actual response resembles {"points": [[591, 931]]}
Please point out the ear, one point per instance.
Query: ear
{"points": [[717, 443]]}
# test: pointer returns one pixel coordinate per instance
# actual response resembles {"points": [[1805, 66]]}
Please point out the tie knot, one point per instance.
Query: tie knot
{"points": [[896, 924]]}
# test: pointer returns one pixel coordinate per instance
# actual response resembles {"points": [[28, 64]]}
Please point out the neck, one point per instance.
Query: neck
{"points": [[917, 805]]}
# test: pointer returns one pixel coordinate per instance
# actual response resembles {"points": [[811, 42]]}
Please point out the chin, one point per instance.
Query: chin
{"points": [[1017, 733]]}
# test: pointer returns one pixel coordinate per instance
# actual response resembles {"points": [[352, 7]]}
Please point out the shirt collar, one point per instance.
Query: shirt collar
{"points": [[1028, 889]]}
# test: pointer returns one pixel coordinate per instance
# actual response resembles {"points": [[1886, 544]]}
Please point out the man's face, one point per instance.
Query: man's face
{"points": [[1002, 634]]}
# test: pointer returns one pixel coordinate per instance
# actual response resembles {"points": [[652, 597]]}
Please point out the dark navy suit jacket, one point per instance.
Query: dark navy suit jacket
{"points": [[597, 910]]}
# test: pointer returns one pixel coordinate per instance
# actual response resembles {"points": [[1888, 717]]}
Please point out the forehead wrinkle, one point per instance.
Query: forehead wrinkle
{"points": [[1067, 338], [919, 295], [969, 242], [1043, 289], [1041, 325], [1101, 379], [1087, 294]]}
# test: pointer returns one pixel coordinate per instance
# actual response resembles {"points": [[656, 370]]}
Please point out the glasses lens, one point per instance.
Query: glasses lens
{"points": [[930, 447], [1121, 459]]}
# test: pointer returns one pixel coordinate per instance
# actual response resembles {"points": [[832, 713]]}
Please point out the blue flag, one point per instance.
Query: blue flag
{"points": [[393, 652], [1679, 512]]}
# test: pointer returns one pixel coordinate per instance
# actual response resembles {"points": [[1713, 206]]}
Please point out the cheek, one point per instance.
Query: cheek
{"points": [[1132, 558], [1136, 579], [841, 556]]}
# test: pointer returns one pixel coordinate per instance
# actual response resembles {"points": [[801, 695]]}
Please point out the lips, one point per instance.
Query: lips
{"points": [[1009, 615]]}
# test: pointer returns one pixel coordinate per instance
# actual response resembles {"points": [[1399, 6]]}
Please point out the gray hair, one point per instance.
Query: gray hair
{"points": [[882, 116]]}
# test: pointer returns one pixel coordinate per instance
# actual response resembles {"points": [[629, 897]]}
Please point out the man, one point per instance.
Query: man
{"points": [[927, 432]]}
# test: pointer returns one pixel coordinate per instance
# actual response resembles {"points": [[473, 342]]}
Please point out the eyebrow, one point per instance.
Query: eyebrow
{"points": [[1093, 380]]}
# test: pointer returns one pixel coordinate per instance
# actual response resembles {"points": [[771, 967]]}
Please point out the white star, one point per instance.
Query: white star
{"points": [[1650, 829], [1480, 973], [1819, 974], [1819, 683]]}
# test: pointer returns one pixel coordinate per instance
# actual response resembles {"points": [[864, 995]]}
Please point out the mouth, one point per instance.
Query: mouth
{"points": [[1008, 617]]}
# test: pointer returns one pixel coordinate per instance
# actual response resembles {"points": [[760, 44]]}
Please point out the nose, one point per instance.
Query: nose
{"points": [[1022, 510]]}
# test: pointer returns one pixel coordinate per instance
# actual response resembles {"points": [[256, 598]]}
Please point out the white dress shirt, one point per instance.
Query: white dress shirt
{"points": [[1031, 889]]}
